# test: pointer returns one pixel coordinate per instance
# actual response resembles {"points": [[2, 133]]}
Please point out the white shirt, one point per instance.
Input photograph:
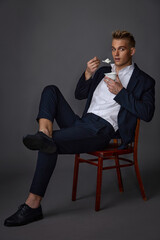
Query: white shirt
{"points": [[103, 103]]}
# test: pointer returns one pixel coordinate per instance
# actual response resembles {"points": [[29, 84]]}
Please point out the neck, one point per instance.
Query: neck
{"points": [[118, 68]]}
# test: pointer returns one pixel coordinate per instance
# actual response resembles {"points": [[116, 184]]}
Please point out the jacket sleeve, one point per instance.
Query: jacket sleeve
{"points": [[82, 88], [144, 107]]}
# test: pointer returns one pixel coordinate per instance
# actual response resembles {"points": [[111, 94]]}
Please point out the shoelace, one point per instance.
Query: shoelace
{"points": [[22, 209]]}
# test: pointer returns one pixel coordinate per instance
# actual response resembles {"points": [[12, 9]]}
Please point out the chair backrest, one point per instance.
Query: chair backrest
{"points": [[135, 147], [136, 135]]}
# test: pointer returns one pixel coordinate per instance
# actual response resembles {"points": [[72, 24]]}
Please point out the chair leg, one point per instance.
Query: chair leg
{"points": [[75, 177], [99, 183], [119, 174], [139, 178]]}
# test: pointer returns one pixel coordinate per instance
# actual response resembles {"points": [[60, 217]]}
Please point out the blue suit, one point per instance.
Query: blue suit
{"points": [[91, 132], [137, 101]]}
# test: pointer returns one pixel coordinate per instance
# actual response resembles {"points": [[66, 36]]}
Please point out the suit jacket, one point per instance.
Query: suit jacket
{"points": [[137, 100]]}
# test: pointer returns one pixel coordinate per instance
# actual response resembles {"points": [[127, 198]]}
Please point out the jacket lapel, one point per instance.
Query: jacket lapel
{"points": [[133, 81], [95, 84], [101, 76]]}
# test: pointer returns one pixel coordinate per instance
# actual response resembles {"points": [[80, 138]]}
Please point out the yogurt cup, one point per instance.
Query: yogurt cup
{"points": [[112, 75]]}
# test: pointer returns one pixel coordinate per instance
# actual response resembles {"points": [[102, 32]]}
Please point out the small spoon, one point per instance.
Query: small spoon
{"points": [[106, 61]]}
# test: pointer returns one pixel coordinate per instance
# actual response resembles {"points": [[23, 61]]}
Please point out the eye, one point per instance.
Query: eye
{"points": [[113, 49], [122, 49]]}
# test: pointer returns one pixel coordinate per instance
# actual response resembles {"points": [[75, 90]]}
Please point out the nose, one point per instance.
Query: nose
{"points": [[116, 52]]}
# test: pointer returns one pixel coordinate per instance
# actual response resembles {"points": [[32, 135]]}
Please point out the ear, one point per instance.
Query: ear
{"points": [[133, 50]]}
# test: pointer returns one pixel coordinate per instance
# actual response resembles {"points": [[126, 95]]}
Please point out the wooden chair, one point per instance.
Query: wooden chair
{"points": [[111, 152]]}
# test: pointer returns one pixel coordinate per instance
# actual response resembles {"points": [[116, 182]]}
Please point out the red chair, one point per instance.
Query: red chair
{"points": [[111, 152]]}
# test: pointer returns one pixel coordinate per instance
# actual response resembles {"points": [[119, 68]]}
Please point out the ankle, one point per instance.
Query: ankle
{"points": [[46, 131], [33, 201], [32, 204]]}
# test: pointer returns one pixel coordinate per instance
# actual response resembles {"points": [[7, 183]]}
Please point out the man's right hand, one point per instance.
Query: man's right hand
{"points": [[92, 66]]}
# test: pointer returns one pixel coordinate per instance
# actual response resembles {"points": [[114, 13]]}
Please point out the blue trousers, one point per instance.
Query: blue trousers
{"points": [[76, 135]]}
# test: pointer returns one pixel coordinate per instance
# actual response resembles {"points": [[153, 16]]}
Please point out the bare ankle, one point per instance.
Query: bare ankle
{"points": [[33, 200], [46, 131], [46, 126]]}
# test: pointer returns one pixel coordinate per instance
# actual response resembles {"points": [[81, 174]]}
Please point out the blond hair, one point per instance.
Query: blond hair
{"points": [[124, 35]]}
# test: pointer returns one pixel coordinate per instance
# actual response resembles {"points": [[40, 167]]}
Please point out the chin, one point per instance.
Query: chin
{"points": [[118, 64]]}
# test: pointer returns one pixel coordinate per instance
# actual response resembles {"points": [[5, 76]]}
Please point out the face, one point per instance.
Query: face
{"points": [[122, 53]]}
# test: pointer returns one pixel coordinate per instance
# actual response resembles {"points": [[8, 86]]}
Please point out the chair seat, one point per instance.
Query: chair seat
{"points": [[112, 150]]}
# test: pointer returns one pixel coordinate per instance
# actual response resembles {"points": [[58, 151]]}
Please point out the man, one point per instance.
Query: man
{"points": [[112, 108]]}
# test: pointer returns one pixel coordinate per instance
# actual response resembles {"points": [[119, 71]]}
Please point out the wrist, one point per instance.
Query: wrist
{"points": [[88, 75], [119, 89]]}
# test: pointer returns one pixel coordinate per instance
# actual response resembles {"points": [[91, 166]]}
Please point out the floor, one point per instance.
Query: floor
{"points": [[122, 215]]}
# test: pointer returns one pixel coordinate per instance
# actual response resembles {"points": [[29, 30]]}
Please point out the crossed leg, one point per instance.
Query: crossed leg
{"points": [[52, 106], [74, 136]]}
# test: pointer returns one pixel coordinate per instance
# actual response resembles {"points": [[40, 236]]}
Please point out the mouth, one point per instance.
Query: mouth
{"points": [[117, 59]]}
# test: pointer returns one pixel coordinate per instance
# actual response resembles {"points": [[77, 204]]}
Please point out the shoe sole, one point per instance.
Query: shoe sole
{"points": [[31, 143], [24, 223], [37, 144]]}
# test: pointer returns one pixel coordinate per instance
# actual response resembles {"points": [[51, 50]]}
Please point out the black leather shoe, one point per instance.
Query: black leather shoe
{"points": [[24, 215], [41, 142]]}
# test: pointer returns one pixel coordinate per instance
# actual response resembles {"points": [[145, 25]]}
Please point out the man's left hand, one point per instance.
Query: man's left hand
{"points": [[113, 86]]}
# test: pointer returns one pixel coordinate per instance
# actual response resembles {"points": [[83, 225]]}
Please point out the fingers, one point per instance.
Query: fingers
{"points": [[94, 60], [109, 80], [93, 65], [113, 86], [110, 83], [106, 79]]}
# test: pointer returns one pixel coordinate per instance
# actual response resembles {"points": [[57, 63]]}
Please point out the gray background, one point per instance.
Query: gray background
{"points": [[49, 42]]}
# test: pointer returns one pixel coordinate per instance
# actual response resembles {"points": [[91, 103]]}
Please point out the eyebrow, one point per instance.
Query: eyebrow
{"points": [[119, 47]]}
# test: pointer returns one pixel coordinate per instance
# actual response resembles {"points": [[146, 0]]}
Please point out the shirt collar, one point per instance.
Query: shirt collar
{"points": [[127, 68]]}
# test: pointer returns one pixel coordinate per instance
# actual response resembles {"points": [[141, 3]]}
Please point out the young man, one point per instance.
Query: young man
{"points": [[112, 107]]}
